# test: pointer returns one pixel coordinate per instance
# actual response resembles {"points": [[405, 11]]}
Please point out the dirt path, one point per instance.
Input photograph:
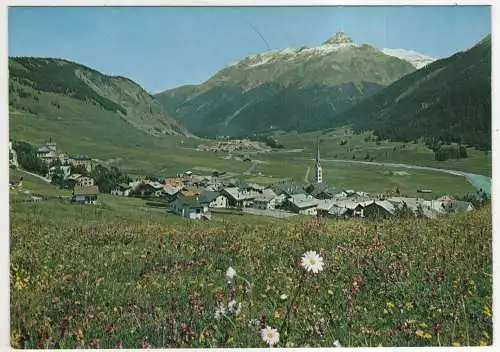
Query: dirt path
{"points": [[36, 175], [306, 177]]}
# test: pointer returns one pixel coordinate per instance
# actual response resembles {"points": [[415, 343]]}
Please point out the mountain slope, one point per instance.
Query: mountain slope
{"points": [[416, 59], [33, 80], [448, 100], [317, 82]]}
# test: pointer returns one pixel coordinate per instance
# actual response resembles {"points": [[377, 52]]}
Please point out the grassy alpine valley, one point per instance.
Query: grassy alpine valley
{"points": [[330, 195]]}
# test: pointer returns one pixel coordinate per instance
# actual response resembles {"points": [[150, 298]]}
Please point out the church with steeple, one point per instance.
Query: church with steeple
{"points": [[318, 169]]}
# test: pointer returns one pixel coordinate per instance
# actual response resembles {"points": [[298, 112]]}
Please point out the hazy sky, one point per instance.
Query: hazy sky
{"points": [[164, 47]]}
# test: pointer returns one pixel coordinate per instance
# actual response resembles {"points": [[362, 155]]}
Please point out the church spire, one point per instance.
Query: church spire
{"points": [[319, 170]]}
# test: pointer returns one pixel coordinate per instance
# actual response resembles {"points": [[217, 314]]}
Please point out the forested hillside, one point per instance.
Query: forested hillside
{"points": [[447, 101]]}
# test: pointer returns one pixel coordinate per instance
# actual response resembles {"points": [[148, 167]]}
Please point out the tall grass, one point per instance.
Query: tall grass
{"points": [[119, 275]]}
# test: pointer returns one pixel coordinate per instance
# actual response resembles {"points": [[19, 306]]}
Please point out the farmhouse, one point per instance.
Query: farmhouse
{"points": [[238, 198], [188, 207], [343, 208], [85, 195], [287, 188], [266, 200], [213, 199], [378, 209], [321, 191], [122, 189], [302, 204], [170, 192]]}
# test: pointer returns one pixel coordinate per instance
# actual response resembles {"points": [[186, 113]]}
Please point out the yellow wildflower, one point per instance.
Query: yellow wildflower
{"points": [[419, 333], [409, 305], [330, 292], [483, 343], [487, 312], [411, 321], [486, 335], [202, 337], [385, 311], [389, 305], [15, 339], [456, 344], [427, 336], [423, 325], [277, 315]]}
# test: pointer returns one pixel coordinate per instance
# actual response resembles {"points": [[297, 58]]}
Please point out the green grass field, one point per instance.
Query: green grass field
{"points": [[390, 152], [123, 274]]}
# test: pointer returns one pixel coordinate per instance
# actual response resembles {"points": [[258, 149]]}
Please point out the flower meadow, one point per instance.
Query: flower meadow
{"points": [[110, 277]]}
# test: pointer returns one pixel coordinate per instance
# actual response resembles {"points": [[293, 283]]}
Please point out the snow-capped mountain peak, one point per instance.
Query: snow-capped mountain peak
{"points": [[416, 59], [337, 42]]}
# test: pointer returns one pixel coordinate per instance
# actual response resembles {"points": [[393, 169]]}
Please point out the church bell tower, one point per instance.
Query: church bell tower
{"points": [[319, 170]]}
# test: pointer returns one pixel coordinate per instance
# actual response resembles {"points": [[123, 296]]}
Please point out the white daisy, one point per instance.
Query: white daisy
{"points": [[270, 336], [238, 310], [220, 311], [311, 261], [337, 343], [230, 273], [231, 306]]}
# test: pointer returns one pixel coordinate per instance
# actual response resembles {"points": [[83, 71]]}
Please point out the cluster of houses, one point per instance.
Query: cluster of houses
{"points": [[194, 196], [48, 153], [231, 145]]}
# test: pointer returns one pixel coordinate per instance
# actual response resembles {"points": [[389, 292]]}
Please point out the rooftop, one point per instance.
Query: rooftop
{"points": [[85, 191], [79, 157], [208, 196]]}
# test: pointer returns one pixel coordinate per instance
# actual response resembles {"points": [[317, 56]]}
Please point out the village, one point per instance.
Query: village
{"points": [[196, 196]]}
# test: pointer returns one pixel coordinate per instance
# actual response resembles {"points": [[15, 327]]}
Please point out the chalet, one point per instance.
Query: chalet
{"points": [[170, 192], [154, 188], [351, 209], [378, 209], [211, 199], [302, 204], [324, 205], [322, 191], [238, 198], [85, 195], [338, 212], [287, 188], [188, 207], [266, 200], [199, 181], [122, 189]]}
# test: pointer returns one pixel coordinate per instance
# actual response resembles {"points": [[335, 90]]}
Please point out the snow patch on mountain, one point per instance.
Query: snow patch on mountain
{"points": [[338, 42], [293, 54], [416, 59]]}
